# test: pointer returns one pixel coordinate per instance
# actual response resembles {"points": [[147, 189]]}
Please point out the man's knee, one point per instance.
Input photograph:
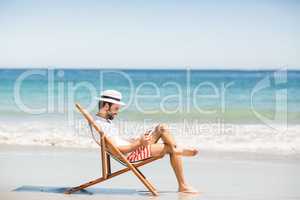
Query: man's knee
{"points": [[162, 128], [167, 149]]}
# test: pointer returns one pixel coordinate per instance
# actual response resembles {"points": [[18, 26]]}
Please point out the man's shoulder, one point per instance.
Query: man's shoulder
{"points": [[100, 119], [104, 123]]}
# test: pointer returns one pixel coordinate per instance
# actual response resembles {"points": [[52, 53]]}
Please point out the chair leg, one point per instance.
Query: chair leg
{"points": [[108, 164], [147, 184], [85, 185], [140, 172], [126, 169], [96, 181], [150, 184]]}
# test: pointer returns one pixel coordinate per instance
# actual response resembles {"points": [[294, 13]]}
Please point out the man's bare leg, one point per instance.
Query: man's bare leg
{"points": [[162, 131], [176, 163]]}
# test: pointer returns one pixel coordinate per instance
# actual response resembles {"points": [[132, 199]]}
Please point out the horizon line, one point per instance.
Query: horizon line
{"points": [[156, 68]]}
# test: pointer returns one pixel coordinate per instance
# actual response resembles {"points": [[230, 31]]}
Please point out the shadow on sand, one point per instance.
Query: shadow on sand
{"points": [[90, 191]]}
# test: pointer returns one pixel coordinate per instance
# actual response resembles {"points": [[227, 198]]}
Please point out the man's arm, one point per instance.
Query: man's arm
{"points": [[131, 147], [134, 144]]}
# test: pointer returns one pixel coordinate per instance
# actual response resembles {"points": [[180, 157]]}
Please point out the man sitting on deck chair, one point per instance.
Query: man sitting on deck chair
{"points": [[146, 145]]}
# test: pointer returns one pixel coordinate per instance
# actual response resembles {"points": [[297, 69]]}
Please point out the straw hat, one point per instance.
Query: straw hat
{"points": [[111, 96]]}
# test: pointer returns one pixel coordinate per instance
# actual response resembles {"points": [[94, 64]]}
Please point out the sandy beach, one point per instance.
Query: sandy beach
{"points": [[28, 172], [222, 77]]}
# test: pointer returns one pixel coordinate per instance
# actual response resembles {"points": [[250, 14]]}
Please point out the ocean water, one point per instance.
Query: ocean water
{"points": [[219, 110]]}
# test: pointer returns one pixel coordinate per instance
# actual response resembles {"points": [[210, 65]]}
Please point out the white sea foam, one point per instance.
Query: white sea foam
{"points": [[229, 137]]}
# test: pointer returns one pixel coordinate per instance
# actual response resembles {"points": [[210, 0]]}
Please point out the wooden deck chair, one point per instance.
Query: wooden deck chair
{"points": [[108, 150]]}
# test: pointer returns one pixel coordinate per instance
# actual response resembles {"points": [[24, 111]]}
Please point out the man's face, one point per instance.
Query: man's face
{"points": [[112, 111]]}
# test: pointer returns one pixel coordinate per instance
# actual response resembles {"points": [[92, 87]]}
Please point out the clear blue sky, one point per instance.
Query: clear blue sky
{"points": [[136, 34]]}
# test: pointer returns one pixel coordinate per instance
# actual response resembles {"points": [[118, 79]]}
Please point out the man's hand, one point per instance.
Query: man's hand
{"points": [[145, 139], [135, 143]]}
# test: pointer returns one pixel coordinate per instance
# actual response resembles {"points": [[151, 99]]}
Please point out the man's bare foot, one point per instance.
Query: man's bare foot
{"points": [[190, 152], [188, 189], [185, 152]]}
